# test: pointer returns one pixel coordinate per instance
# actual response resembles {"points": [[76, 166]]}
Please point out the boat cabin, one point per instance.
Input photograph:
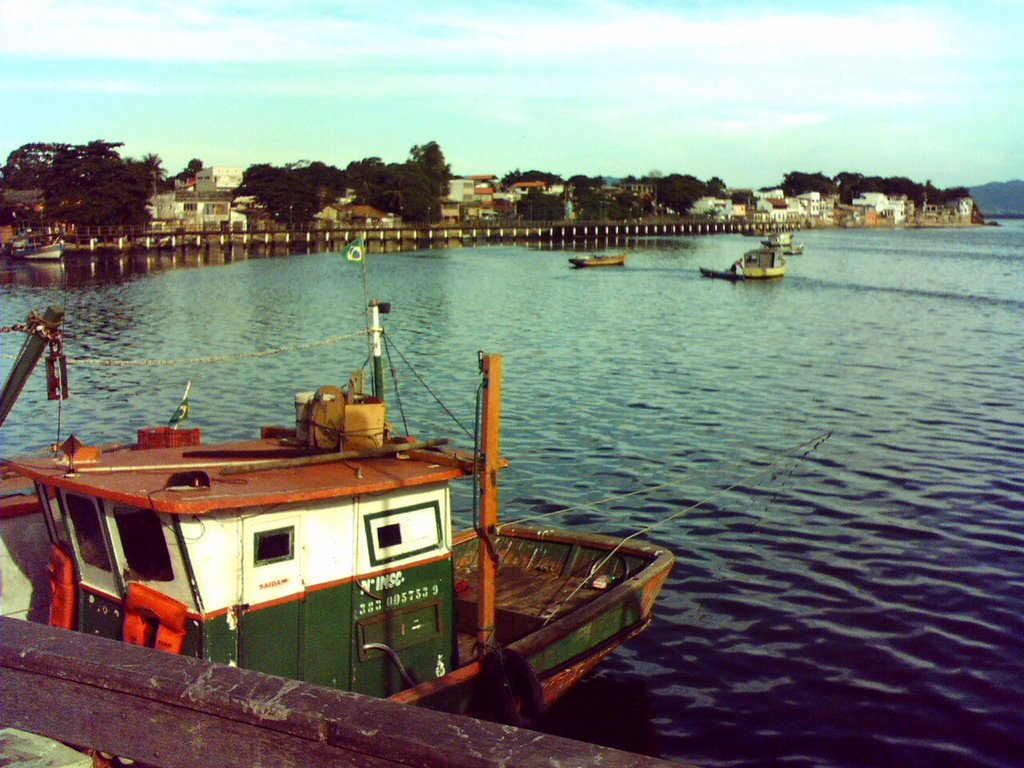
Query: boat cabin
{"points": [[321, 573], [764, 262]]}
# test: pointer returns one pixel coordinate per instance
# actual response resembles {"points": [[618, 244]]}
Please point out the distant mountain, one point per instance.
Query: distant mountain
{"points": [[1000, 198]]}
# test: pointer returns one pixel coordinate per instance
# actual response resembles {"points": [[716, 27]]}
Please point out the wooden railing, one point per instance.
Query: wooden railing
{"points": [[167, 710]]}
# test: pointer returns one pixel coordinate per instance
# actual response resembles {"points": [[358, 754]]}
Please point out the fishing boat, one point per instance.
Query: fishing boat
{"points": [[618, 260], [761, 263], [326, 551], [28, 248]]}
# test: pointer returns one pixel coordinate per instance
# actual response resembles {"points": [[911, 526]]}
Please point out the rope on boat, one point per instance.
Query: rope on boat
{"points": [[35, 325], [426, 386], [110, 362], [808, 447]]}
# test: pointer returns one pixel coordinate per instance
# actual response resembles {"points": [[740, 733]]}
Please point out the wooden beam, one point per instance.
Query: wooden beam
{"points": [[486, 633], [178, 712]]}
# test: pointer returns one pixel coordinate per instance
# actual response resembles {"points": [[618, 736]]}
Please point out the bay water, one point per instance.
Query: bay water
{"points": [[835, 458]]}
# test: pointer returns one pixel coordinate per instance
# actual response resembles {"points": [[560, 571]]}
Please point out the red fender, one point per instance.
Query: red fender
{"points": [[63, 589]]}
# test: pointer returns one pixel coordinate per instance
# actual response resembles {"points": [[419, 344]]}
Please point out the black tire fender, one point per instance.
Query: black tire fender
{"points": [[511, 690]]}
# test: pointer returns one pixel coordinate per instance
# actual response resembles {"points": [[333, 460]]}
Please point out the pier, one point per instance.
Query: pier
{"points": [[271, 239]]}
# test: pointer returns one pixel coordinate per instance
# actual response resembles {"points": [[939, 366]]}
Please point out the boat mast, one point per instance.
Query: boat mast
{"points": [[488, 466], [376, 331]]}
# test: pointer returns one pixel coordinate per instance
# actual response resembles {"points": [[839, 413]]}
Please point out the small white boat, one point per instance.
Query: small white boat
{"points": [[26, 248], [784, 240]]}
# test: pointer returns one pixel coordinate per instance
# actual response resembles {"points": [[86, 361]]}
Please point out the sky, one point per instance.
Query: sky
{"points": [[745, 91]]}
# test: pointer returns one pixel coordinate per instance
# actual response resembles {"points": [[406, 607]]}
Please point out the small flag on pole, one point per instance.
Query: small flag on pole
{"points": [[182, 413], [354, 250]]}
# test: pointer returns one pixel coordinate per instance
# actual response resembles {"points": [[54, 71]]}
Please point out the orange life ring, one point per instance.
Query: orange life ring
{"points": [[63, 589], [144, 607]]}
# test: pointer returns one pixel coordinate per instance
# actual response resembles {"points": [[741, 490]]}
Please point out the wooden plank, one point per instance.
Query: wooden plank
{"points": [[487, 562], [173, 711]]}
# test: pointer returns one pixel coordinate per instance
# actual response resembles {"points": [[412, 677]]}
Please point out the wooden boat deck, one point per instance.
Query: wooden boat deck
{"points": [[537, 579], [525, 598]]}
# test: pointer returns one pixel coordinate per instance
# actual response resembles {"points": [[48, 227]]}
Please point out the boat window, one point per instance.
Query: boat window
{"points": [[396, 534], [145, 549], [88, 531], [274, 546], [389, 535]]}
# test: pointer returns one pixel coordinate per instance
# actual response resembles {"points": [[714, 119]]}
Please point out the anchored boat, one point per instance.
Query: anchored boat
{"points": [[761, 263], [618, 260], [28, 248], [326, 552], [784, 242]]}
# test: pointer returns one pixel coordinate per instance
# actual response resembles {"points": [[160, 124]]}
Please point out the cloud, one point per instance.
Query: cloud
{"points": [[579, 35]]}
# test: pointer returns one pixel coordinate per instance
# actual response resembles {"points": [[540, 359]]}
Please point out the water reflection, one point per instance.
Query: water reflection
{"points": [[32, 274], [83, 269]]}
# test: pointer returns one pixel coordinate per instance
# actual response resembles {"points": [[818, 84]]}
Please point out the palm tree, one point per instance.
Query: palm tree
{"points": [[154, 170]]}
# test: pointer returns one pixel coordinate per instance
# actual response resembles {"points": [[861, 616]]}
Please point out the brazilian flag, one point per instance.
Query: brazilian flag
{"points": [[182, 413], [354, 251]]}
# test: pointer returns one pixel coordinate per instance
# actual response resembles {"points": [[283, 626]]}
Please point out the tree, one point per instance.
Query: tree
{"points": [[716, 187], [365, 177], [429, 161], [538, 206], [329, 182], [194, 166], [515, 176], [91, 185], [82, 184], [410, 192], [151, 170], [284, 193], [680, 192], [798, 183], [28, 166]]}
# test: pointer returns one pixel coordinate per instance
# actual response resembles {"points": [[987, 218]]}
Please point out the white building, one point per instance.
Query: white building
{"points": [[816, 209], [203, 204], [721, 208], [219, 179], [877, 204], [777, 210]]}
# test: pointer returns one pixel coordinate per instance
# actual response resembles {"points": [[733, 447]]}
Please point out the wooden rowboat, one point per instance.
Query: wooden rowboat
{"points": [[599, 261]]}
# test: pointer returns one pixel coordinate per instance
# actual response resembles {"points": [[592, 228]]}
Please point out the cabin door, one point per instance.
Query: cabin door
{"points": [[272, 590]]}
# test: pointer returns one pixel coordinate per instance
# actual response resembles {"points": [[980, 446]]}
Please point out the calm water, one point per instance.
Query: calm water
{"points": [[860, 605]]}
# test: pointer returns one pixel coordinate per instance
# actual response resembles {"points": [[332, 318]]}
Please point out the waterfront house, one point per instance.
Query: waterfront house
{"points": [[358, 215], [718, 208], [877, 209], [201, 202], [472, 198], [777, 210], [816, 209]]}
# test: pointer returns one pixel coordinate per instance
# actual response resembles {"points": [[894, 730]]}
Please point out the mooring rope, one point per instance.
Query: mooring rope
{"points": [[112, 362], [808, 446], [426, 386]]}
